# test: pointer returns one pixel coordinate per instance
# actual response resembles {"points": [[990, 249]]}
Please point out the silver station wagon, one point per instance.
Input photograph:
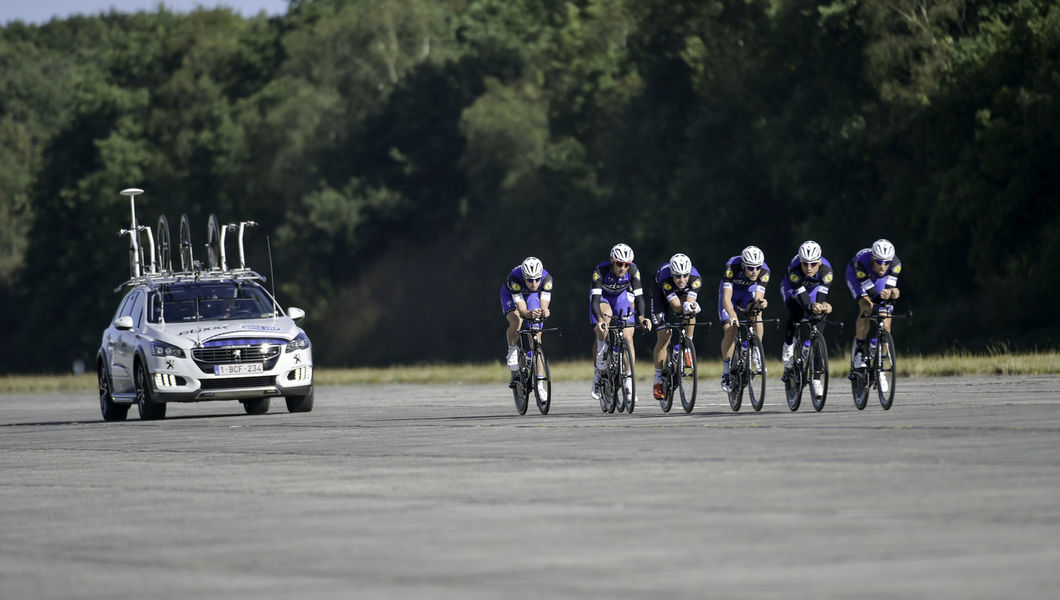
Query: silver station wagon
{"points": [[203, 333]]}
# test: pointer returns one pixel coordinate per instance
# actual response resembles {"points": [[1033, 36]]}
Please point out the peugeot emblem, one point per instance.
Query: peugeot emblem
{"points": [[236, 354]]}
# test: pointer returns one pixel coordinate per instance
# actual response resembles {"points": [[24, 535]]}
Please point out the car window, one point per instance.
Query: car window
{"points": [[138, 310], [213, 301], [121, 306], [127, 308]]}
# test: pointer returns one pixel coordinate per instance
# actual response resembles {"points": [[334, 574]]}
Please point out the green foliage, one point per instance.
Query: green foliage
{"points": [[403, 154]]}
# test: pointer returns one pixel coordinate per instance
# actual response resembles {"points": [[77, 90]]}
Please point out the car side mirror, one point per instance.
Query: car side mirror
{"points": [[125, 322], [295, 313]]}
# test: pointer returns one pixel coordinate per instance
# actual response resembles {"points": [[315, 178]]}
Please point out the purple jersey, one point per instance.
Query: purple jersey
{"points": [[665, 285], [863, 280], [614, 289], [735, 278], [515, 290], [807, 289]]}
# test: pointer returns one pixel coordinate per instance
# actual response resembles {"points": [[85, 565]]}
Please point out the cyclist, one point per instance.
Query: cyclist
{"points": [[805, 292], [872, 276], [743, 284], [674, 291], [616, 290], [526, 294]]}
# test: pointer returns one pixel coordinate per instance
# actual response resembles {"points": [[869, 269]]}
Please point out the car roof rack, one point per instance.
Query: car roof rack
{"points": [[151, 263]]}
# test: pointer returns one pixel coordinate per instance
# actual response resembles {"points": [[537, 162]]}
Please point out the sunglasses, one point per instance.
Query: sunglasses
{"points": [[882, 262], [752, 268], [680, 276], [533, 279], [812, 264], [621, 264]]}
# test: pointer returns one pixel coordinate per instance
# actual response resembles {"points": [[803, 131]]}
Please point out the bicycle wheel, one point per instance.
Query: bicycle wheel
{"points": [[542, 379], [187, 257], [165, 250], [793, 379], [671, 378], [629, 392], [521, 391], [859, 381], [888, 368], [213, 243], [737, 369], [611, 383], [686, 377], [817, 370], [756, 374]]}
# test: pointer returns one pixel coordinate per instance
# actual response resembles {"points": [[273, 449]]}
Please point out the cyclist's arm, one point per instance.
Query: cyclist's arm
{"points": [[726, 300], [521, 310]]}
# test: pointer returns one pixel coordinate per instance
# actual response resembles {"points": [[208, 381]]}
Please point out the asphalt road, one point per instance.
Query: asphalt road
{"points": [[445, 492]]}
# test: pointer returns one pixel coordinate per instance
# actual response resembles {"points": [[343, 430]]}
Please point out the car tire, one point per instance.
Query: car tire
{"points": [[112, 411], [256, 406], [298, 404], [149, 410]]}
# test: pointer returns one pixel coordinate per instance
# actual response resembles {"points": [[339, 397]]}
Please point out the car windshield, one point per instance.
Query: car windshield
{"points": [[210, 302]]}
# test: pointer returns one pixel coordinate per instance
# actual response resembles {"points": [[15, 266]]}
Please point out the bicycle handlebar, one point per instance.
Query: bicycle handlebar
{"points": [[708, 324]]}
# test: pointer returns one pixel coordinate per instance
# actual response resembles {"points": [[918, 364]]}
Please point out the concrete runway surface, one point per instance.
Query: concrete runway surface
{"points": [[409, 491]]}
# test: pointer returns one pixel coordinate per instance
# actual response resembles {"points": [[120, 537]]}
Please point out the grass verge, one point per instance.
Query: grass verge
{"points": [[939, 365]]}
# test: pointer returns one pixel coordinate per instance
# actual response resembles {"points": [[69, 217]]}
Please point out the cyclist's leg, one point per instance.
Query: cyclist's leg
{"points": [[795, 314], [658, 317], [511, 335]]}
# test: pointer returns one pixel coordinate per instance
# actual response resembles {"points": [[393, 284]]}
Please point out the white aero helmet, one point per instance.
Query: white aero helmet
{"points": [[622, 253], [680, 264], [810, 251], [752, 256], [882, 250], [532, 267]]}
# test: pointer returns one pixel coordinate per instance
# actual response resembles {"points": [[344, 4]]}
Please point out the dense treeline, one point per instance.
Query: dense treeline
{"points": [[403, 154]]}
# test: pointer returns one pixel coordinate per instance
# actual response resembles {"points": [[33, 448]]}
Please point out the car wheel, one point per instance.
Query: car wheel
{"points": [[297, 404], [149, 411], [256, 406], [112, 411]]}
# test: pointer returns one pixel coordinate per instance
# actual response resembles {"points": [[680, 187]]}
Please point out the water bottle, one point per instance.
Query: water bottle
{"points": [[872, 346], [805, 349]]}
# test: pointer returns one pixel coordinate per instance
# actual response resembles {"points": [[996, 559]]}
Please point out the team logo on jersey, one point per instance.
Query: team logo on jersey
{"points": [[794, 277], [596, 275], [667, 286], [765, 277], [897, 269], [828, 278], [696, 284], [862, 274], [728, 273], [548, 286], [516, 287]]}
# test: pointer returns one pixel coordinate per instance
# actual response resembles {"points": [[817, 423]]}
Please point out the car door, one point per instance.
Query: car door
{"points": [[125, 346]]}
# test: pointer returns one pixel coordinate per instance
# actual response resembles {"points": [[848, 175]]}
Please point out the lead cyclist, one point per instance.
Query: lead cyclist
{"points": [[872, 277]]}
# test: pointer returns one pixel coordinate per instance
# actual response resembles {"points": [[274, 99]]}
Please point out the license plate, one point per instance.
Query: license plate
{"points": [[239, 369]]}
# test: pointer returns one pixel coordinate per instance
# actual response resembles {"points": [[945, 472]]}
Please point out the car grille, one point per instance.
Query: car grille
{"points": [[234, 354], [238, 382]]}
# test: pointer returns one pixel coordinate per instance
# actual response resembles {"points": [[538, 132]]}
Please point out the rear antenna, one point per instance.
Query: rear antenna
{"points": [[272, 281]]}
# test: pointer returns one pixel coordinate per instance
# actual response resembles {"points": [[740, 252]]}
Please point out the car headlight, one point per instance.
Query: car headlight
{"points": [[164, 349], [299, 343]]}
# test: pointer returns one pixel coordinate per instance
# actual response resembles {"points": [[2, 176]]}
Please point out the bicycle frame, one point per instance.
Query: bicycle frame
{"points": [[809, 340], [674, 367], [533, 366], [618, 354], [864, 379], [742, 371]]}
